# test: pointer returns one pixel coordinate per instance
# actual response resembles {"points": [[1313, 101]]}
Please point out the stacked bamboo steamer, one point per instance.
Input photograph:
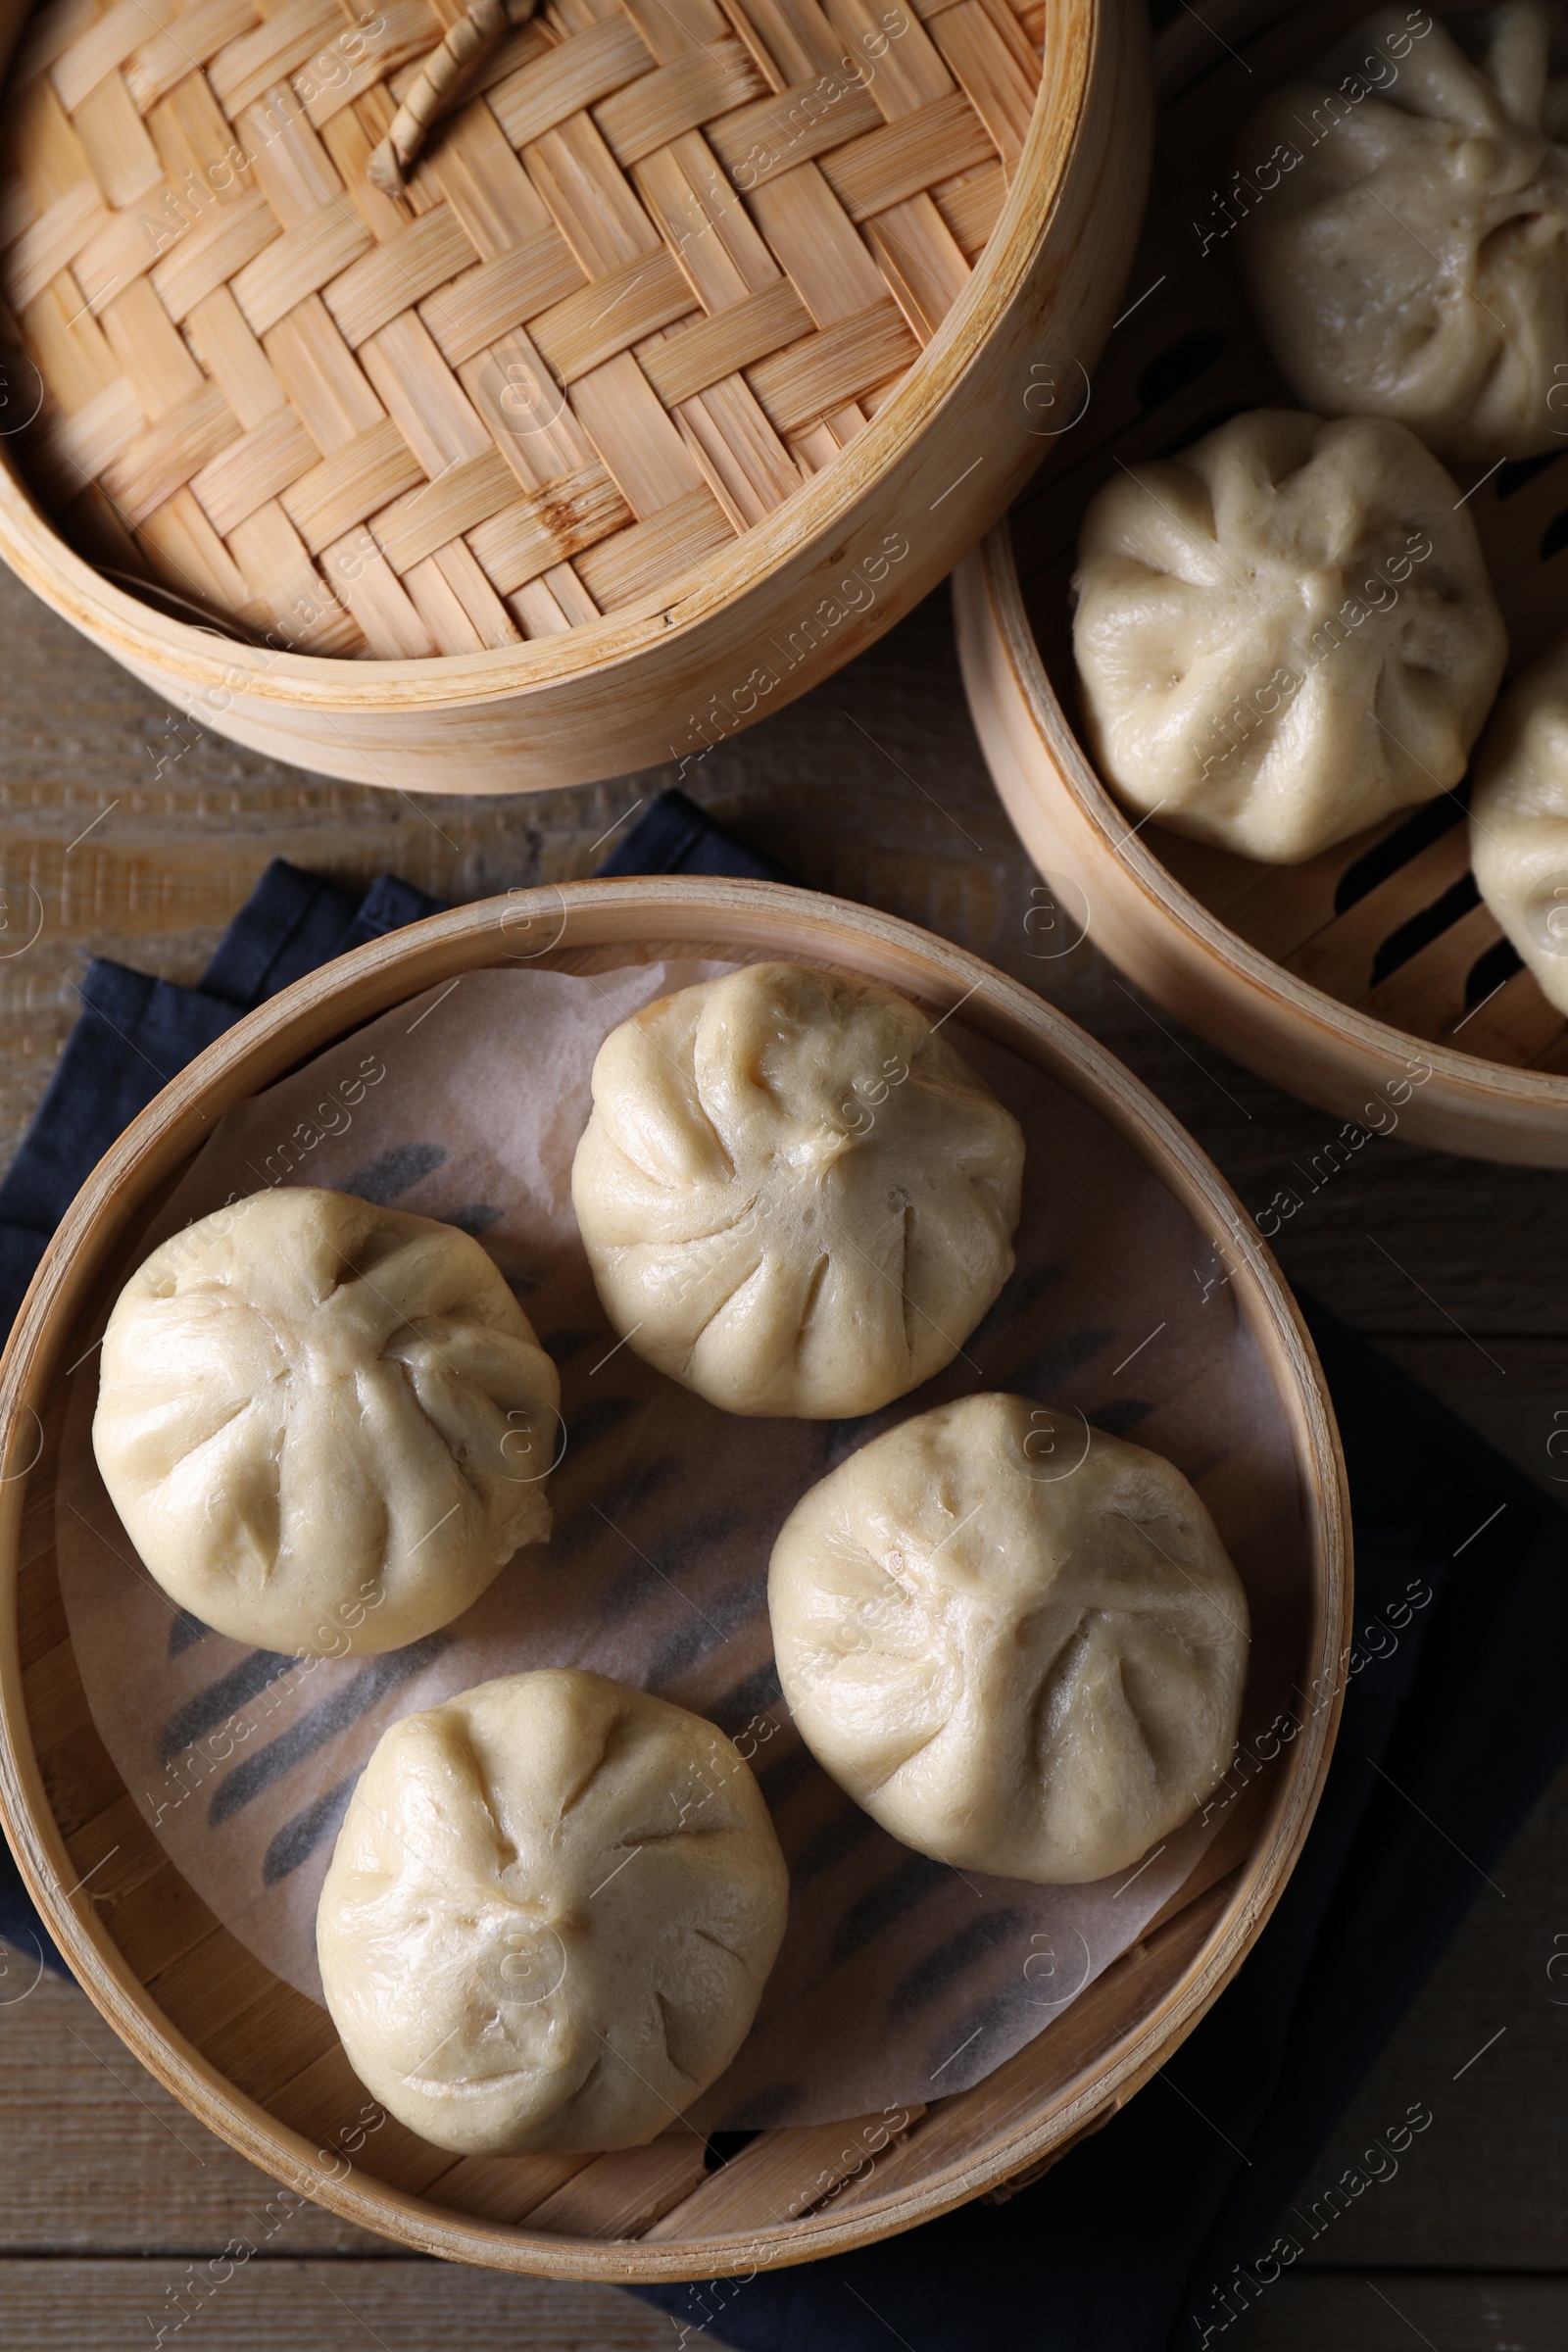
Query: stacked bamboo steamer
{"points": [[260, 2063], [688, 347], [1371, 980]]}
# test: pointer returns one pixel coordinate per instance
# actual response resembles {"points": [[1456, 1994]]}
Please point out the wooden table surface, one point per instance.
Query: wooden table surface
{"points": [[125, 832]]}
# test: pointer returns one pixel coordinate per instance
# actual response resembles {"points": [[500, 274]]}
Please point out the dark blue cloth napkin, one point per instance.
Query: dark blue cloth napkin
{"points": [[1155, 2232]]}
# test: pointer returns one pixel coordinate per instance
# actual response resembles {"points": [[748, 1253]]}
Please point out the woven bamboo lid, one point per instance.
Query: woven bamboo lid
{"points": [[658, 263]]}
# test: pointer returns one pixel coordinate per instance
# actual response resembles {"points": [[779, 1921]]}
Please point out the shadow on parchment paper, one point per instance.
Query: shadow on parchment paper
{"points": [[900, 1979]]}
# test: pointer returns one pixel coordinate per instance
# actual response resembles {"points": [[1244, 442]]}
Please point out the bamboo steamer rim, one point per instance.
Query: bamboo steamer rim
{"points": [[749, 920], [1003, 654], [1076, 35]]}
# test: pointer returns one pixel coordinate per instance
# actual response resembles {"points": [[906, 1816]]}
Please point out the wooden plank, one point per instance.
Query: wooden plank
{"points": [[504, 2189], [40, 1610], [1376, 2312], [80, 1777], [327, 2093], [332, 2306], [1083, 2032], [802, 222], [525, 411], [420, 393], [588, 197], [1338, 958], [100, 2158], [484, 182], [431, 595], [273, 2037], [321, 377], [152, 352], [971, 206], [288, 589], [293, 166], [358, 572], [1425, 994], [1515, 1024], [482, 608], [713, 236], [618, 410], [907, 72]]}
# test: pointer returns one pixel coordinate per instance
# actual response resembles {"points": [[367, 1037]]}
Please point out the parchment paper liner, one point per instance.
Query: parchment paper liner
{"points": [[899, 1980]]}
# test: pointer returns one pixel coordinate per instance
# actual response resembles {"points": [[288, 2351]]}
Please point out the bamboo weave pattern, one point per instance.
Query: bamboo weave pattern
{"points": [[663, 260]]}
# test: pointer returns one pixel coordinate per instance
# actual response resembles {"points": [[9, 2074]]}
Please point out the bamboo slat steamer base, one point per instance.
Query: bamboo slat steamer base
{"points": [[259, 2063], [692, 350], [1375, 960]]}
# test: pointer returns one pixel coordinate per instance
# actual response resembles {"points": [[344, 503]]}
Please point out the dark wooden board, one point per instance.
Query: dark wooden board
{"points": [[404, 2305], [1393, 2312]]}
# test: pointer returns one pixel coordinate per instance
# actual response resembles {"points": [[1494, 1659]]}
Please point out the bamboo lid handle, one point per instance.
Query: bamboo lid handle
{"points": [[439, 83]]}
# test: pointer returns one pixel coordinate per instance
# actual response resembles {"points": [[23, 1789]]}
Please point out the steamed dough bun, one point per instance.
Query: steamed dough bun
{"points": [[1284, 632], [1410, 258], [1519, 821], [323, 1423], [550, 1915], [1012, 1663], [795, 1195]]}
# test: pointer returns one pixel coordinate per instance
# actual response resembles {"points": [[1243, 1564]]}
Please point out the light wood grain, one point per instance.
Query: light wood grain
{"points": [[262, 2305], [100, 2159]]}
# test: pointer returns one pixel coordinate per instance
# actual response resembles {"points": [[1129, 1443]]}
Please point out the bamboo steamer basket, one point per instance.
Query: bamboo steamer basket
{"points": [[692, 350], [259, 2063], [1376, 961]]}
